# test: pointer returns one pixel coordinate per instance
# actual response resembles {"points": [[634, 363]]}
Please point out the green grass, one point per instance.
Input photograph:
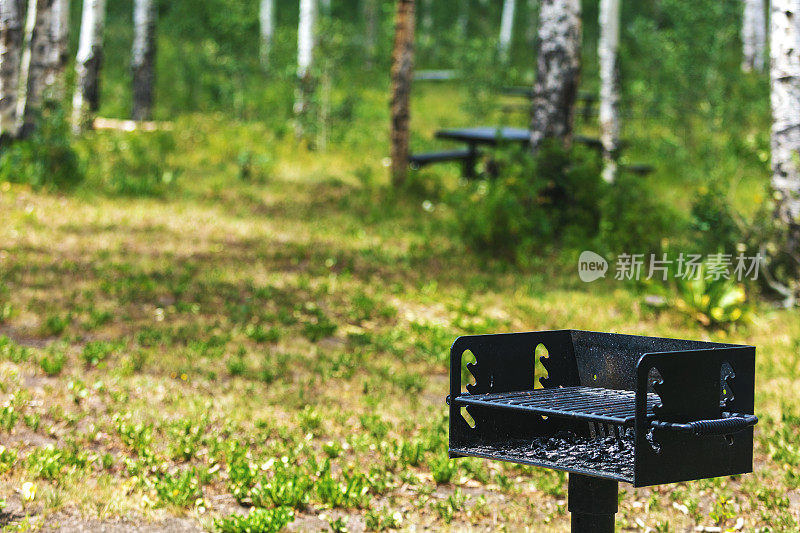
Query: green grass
{"points": [[283, 343]]}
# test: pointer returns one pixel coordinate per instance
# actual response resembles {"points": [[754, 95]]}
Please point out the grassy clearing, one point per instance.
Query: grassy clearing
{"points": [[271, 329]]}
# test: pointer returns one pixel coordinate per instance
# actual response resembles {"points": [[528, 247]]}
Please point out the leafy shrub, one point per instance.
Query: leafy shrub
{"points": [[181, 489], [97, 351], [713, 221], [53, 362], [47, 159], [532, 202], [256, 521], [12, 351], [442, 469], [712, 302], [135, 164], [633, 222]]}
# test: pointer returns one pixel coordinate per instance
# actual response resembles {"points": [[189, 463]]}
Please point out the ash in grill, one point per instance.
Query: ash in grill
{"points": [[605, 407]]}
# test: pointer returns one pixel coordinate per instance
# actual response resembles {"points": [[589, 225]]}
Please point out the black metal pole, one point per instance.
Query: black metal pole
{"points": [[593, 503]]}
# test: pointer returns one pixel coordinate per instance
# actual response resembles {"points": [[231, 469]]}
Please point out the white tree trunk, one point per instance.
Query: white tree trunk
{"points": [[35, 67], [609, 85], [267, 26], [143, 58], [506, 28], [59, 48], [557, 71], [86, 99], [306, 41], [754, 36], [10, 50], [785, 97]]}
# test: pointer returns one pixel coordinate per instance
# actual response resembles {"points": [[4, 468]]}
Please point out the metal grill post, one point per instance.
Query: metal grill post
{"points": [[593, 503]]}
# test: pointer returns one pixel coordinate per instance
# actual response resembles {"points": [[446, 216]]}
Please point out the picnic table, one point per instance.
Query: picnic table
{"points": [[484, 136]]}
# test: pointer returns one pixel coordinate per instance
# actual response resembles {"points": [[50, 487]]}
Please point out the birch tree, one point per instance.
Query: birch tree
{"points": [[754, 36], [55, 40], [306, 41], [35, 69], [86, 99], [266, 20], [785, 97], [557, 71], [10, 49], [506, 28], [143, 58], [402, 74], [609, 85]]}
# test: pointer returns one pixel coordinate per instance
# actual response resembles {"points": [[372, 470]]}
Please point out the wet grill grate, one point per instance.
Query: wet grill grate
{"points": [[592, 404]]}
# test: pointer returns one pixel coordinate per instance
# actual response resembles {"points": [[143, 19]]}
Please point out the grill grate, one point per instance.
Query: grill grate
{"points": [[592, 404]]}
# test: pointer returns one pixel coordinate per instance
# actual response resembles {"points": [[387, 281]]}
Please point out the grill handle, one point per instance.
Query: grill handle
{"points": [[731, 423]]}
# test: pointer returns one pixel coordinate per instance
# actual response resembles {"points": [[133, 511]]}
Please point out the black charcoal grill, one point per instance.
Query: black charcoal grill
{"points": [[606, 408]]}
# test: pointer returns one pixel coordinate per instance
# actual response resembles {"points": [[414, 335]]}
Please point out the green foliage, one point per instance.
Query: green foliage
{"points": [[712, 302], [256, 521], [633, 221], [8, 458], [442, 468], [714, 222], [96, 352], [47, 159], [134, 163], [181, 489], [12, 351], [53, 362], [533, 202]]}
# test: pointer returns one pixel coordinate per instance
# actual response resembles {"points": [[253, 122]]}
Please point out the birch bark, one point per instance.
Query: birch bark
{"points": [[402, 74], [306, 41], [754, 36], [143, 58], [267, 26], [10, 50], [785, 98], [557, 71], [609, 85], [506, 28], [35, 63], [86, 99]]}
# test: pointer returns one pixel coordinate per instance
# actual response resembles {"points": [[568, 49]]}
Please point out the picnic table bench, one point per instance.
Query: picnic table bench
{"points": [[493, 136]]}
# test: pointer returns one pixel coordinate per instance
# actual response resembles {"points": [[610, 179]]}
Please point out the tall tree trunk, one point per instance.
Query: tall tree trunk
{"points": [[10, 50], [60, 36], [86, 99], [402, 74], [370, 13], [785, 73], [557, 71], [267, 26], [609, 85], [506, 28], [143, 58], [35, 68], [754, 36], [306, 42]]}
